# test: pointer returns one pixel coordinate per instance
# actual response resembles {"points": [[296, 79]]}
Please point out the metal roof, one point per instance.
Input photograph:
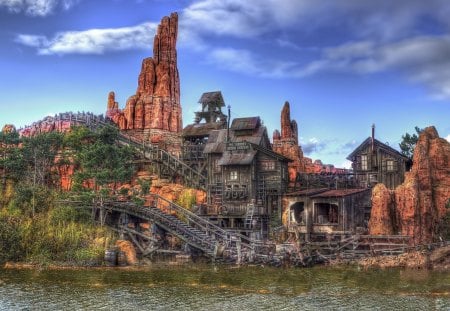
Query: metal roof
{"points": [[339, 193], [250, 123], [241, 158], [307, 192], [216, 142], [212, 97], [201, 129]]}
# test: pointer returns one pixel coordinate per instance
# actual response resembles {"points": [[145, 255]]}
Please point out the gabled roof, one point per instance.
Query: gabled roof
{"points": [[250, 123], [218, 138], [201, 129], [237, 158], [216, 142], [270, 153], [212, 97], [378, 144]]}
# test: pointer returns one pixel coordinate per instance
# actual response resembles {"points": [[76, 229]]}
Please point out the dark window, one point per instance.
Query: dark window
{"points": [[326, 213], [298, 213]]}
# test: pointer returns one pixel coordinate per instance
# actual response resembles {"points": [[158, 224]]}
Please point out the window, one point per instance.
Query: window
{"points": [[216, 166], [233, 175], [390, 165], [326, 213], [268, 165], [364, 164]]}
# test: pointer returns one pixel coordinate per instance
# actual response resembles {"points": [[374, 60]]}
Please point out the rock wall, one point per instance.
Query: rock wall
{"points": [[46, 125], [156, 104], [286, 143], [382, 214], [420, 202]]}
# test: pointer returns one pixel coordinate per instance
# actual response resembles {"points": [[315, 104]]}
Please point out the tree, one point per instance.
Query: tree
{"points": [[409, 142], [11, 165], [103, 161]]}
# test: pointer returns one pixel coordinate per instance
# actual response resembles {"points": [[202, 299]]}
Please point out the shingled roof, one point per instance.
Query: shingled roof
{"points": [[378, 144]]}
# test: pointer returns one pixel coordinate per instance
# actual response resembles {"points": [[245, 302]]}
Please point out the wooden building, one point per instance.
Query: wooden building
{"points": [[245, 178], [319, 211], [374, 162], [195, 136]]}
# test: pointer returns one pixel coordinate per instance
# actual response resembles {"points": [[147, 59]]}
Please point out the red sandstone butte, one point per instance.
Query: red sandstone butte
{"points": [[381, 218], [286, 143], [156, 104], [420, 202]]}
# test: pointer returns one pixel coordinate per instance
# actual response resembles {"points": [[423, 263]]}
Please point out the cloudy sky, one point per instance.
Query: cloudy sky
{"points": [[342, 65]]}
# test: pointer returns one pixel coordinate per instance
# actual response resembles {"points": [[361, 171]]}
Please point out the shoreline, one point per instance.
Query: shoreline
{"points": [[436, 260]]}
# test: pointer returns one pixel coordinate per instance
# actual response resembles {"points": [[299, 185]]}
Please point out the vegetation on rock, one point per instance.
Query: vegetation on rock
{"points": [[34, 226]]}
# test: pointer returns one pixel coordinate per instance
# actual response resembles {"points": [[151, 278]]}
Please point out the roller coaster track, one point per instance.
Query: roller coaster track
{"points": [[194, 230], [189, 176]]}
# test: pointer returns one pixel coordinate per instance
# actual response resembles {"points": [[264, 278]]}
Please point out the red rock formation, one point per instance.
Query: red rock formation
{"points": [[128, 249], [286, 143], [156, 104], [381, 218], [8, 128], [46, 125], [420, 202]]}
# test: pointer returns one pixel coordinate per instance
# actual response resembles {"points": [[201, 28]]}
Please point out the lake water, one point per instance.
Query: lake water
{"points": [[224, 288]]}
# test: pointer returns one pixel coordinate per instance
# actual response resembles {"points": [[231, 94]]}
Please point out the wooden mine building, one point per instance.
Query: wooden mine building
{"points": [[245, 177], [374, 162], [327, 211], [246, 181]]}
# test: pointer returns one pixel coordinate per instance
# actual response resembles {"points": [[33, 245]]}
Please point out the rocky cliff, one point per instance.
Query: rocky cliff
{"points": [[286, 143], [156, 104], [421, 202]]}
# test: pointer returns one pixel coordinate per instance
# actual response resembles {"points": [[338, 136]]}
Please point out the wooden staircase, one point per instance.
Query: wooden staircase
{"points": [[196, 231], [176, 167], [171, 164]]}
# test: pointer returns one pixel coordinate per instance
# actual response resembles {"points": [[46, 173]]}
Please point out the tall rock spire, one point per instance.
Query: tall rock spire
{"points": [[156, 104], [289, 127]]}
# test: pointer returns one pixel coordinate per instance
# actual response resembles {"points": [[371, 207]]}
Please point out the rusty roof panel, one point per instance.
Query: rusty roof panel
{"points": [[201, 129], [307, 192], [250, 123], [339, 193], [237, 158]]}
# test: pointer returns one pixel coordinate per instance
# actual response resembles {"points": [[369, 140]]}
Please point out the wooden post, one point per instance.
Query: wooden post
{"points": [[239, 254]]}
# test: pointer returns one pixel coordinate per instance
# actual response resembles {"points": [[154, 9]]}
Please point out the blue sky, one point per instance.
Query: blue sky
{"points": [[342, 65]]}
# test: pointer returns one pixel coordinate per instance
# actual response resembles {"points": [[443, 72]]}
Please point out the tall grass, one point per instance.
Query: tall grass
{"points": [[61, 234]]}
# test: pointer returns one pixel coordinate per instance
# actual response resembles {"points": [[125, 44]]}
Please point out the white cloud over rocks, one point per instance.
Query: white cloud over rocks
{"points": [[36, 7], [92, 41], [406, 36]]}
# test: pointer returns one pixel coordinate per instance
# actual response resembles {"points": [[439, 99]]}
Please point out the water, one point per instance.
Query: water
{"points": [[224, 288]]}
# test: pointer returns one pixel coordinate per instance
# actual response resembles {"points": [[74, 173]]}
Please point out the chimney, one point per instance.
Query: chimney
{"points": [[373, 137], [228, 123]]}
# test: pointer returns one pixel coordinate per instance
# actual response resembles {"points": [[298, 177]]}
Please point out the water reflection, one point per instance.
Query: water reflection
{"points": [[221, 288]]}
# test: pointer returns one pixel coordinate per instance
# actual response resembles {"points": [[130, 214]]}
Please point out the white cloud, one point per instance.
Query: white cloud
{"points": [[36, 7], [92, 41], [380, 36], [448, 138], [346, 164], [245, 61], [422, 59]]}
